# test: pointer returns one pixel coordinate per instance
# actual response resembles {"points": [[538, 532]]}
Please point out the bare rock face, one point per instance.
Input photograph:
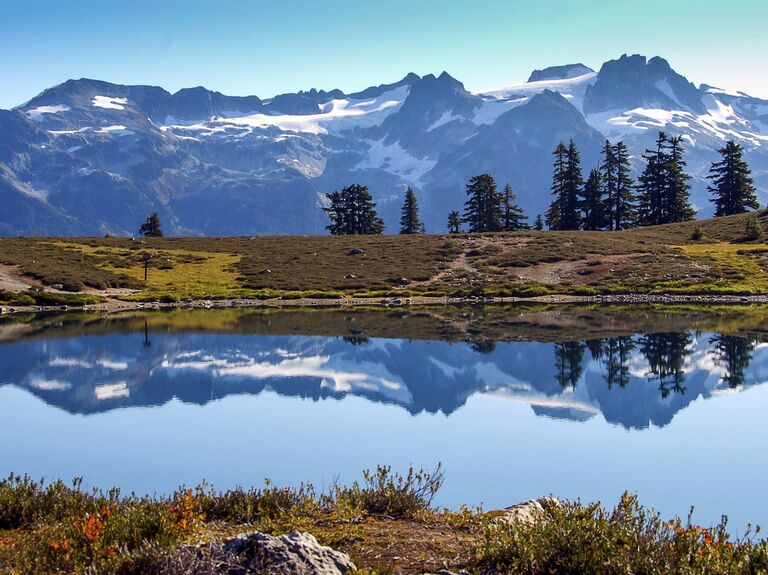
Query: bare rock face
{"points": [[528, 512], [293, 554], [257, 553]]}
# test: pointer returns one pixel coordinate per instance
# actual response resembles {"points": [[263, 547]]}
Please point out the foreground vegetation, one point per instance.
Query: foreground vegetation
{"points": [[386, 523], [717, 256]]}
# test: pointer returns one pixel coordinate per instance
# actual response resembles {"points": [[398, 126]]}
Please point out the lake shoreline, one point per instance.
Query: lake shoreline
{"points": [[114, 305]]}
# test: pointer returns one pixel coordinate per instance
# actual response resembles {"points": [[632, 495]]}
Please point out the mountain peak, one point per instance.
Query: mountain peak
{"points": [[635, 82], [560, 72]]}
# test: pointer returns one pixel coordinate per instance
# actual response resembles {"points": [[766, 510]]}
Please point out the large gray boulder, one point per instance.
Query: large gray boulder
{"points": [[528, 512], [294, 554], [258, 553]]}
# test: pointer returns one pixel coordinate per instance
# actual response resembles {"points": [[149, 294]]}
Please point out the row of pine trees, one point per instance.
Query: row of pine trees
{"points": [[610, 199]]}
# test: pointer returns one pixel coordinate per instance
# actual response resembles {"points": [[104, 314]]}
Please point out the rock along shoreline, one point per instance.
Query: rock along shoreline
{"points": [[113, 305]]}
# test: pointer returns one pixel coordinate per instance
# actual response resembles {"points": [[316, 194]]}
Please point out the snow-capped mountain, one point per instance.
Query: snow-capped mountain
{"points": [[89, 157]]}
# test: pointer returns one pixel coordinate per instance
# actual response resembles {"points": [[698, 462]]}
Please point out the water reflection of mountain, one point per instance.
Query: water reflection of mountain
{"points": [[633, 381]]}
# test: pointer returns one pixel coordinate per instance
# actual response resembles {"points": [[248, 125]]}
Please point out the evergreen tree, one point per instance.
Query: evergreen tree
{"points": [[151, 227], [410, 222], [454, 222], [608, 176], [593, 207], [539, 223], [513, 217], [620, 207], [554, 213], [482, 210], [678, 189], [734, 353], [567, 183], [732, 187], [663, 188], [651, 184], [352, 211]]}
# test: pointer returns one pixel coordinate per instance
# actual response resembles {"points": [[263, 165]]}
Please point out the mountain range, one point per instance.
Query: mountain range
{"points": [[88, 157]]}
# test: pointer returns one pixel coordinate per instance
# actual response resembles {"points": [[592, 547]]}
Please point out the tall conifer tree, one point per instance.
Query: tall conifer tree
{"points": [[512, 215], [678, 189], [732, 184], [651, 184], [410, 222], [151, 227], [352, 211], [482, 210], [621, 209], [663, 186], [567, 184], [593, 207]]}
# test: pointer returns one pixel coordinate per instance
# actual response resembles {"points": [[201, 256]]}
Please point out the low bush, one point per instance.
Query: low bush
{"points": [[589, 539], [392, 494]]}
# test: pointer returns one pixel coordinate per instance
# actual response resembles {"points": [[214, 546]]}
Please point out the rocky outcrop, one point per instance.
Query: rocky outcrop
{"points": [[528, 512], [258, 553]]}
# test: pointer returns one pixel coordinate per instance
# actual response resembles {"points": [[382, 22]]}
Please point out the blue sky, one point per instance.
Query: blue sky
{"points": [[267, 47]]}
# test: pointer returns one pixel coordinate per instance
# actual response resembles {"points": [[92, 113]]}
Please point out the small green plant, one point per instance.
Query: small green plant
{"points": [[698, 234], [754, 231]]}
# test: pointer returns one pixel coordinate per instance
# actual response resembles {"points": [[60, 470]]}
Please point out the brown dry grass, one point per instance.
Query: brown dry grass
{"points": [[646, 260]]}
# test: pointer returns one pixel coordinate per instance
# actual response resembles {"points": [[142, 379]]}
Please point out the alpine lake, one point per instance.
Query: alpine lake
{"points": [[515, 402]]}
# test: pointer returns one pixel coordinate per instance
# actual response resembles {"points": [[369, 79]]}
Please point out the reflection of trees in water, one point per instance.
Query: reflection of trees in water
{"points": [[614, 353], [355, 339], [485, 346], [568, 358], [666, 354], [734, 354]]}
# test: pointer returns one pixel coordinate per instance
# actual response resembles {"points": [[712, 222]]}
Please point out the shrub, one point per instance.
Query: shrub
{"points": [[575, 538], [256, 504], [697, 234], [392, 494], [754, 231]]}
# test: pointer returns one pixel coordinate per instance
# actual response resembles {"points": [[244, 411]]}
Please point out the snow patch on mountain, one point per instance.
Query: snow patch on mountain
{"points": [[336, 116], [395, 160], [572, 89], [720, 122], [36, 114], [115, 130], [109, 103]]}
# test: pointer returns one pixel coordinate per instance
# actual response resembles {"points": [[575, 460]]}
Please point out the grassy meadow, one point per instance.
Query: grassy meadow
{"points": [[703, 257]]}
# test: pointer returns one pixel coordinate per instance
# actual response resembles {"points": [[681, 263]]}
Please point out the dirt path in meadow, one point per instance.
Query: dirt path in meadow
{"points": [[11, 279]]}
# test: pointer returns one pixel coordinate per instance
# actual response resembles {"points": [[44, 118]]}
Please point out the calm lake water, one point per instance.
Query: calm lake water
{"points": [[515, 402]]}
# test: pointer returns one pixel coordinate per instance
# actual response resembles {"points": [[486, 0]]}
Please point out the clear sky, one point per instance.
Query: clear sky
{"points": [[266, 47]]}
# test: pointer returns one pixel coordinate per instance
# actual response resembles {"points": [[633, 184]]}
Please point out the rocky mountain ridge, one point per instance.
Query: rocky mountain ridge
{"points": [[90, 157]]}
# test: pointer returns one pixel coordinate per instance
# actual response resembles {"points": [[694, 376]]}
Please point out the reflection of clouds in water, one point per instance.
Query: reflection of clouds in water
{"points": [[110, 364], [334, 373], [45, 384], [541, 400], [111, 390]]}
